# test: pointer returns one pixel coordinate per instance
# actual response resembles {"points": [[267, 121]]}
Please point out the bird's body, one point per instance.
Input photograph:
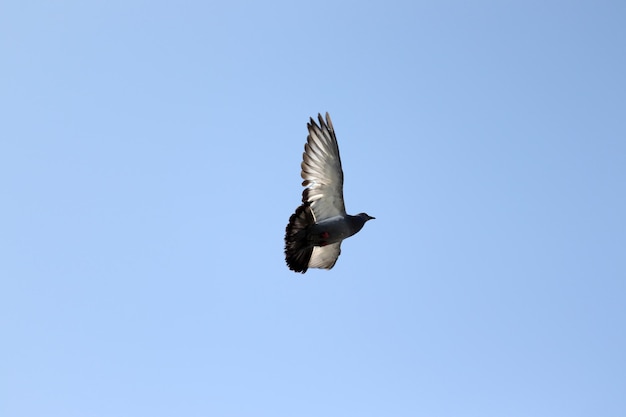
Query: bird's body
{"points": [[317, 228]]}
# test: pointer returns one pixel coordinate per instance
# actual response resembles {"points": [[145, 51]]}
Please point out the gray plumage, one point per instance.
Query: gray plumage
{"points": [[315, 231]]}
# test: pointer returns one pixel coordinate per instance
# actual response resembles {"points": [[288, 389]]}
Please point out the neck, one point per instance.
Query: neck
{"points": [[356, 223]]}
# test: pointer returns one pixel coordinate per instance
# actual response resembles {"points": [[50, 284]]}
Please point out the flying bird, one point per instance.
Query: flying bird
{"points": [[315, 231]]}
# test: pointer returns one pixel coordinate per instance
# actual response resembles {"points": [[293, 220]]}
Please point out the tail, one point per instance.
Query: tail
{"points": [[297, 250]]}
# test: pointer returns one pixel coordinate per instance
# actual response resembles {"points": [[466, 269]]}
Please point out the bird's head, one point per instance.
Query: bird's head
{"points": [[365, 217]]}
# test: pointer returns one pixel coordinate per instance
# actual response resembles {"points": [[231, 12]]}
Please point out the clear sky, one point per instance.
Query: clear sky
{"points": [[150, 159]]}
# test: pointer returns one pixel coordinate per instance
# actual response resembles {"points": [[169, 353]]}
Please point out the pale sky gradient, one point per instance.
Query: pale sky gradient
{"points": [[150, 159]]}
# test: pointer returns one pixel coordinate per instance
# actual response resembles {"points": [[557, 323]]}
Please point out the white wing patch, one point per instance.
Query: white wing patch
{"points": [[325, 256]]}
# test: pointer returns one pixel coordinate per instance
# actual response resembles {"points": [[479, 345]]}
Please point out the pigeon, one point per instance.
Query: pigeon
{"points": [[315, 231]]}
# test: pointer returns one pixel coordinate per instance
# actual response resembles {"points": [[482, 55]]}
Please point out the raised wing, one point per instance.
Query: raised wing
{"points": [[322, 173], [325, 256]]}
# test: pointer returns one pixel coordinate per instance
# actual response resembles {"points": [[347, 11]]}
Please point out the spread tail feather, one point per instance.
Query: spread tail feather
{"points": [[297, 250]]}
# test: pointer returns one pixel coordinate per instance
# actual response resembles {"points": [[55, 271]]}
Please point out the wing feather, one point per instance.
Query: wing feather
{"points": [[325, 256], [322, 172]]}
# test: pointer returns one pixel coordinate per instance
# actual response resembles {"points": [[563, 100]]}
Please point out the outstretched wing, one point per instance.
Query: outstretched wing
{"points": [[325, 256], [321, 171]]}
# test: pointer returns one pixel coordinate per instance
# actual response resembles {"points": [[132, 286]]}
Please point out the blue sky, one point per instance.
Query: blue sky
{"points": [[150, 158]]}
